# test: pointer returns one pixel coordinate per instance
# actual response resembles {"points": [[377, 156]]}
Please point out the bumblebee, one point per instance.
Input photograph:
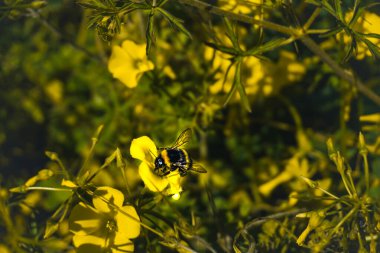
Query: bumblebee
{"points": [[175, 158]]}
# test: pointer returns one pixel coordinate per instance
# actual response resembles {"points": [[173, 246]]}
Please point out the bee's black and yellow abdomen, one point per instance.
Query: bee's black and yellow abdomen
{"points": [[173, 159]]}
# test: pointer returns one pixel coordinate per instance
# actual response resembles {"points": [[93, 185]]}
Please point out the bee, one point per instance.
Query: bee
{"points": [[175, 158]]}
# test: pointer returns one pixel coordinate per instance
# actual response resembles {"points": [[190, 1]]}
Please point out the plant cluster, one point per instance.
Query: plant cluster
{"points": [[267, 87]]}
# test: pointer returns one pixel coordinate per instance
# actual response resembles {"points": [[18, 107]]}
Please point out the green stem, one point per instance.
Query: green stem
{"points": [[239, 17], [366, 172], [49, 189], [312, 18], [306, 40], [327, 192], [345, 218], [344, 74]]}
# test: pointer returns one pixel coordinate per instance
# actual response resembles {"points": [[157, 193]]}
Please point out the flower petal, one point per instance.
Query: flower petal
{"points": [[120, 65], [127, 222], [128, 62], [122, 244], [151, 180], [88, 243], [144, 149], [84, 220], [135, 51], [104, 197], [174, 180]]}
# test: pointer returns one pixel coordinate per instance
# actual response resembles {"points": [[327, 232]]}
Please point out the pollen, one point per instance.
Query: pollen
{"points": [[176, 196], [111, 225]]}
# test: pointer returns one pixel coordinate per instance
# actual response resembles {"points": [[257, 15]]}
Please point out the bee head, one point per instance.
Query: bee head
{"points": [[159, 162]]}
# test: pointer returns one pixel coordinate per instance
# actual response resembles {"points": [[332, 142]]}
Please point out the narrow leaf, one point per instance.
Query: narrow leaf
{"points": [[150, 32], [351, 48], [233, 88], [374, 49], [174, 21], [332, 32], [223, 49], [357, 13], [266, 47], [241, 89], [338, 8], [371, 35], [230, 32]]}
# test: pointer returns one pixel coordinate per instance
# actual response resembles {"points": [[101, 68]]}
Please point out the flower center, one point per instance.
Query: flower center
{"points": [[138, 63], [111, 225]]}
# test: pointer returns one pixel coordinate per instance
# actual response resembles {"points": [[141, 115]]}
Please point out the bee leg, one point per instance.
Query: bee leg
{"points": [[166, 173], [182, 171]]}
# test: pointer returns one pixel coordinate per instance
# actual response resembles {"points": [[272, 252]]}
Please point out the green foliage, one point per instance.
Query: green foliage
{"points": [[264, 85]]}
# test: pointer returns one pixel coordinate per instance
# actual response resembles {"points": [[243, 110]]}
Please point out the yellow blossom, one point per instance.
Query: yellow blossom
{"points": [[4, 249], [253, 73], [107, 226], [367, 23], [287, 70], [315, 219], [240, 6], [295, 167], [145, 150], [128, 62]]}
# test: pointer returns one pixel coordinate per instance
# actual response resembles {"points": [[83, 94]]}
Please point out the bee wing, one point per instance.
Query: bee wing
{"points": [[198, 168], [183, 138]]}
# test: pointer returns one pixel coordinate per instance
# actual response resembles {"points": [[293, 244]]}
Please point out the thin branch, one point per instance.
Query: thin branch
{"points": [[297, 33], [238, 17]]}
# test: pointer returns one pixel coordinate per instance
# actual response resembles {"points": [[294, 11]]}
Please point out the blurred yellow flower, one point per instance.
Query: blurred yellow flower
{"points": [[258, 77], [4, 249], [240, 6], [128, 62], [105, 227], [145, 150], [285, 71], [296, 166], [54, 91], [253, 72], [367, 23], [315, 219]]}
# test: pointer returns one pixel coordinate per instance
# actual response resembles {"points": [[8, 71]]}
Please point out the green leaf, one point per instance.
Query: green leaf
{"points": [[373, 48], [161, 3], [150, 32], [270, 45], [50, 229], [174, 21], [237, 85], [317, 3], [94, 7], [328, 7], [331, 32], [357, 13], [233, 88], [351, 49], [222, 48], [230, 32], [371, 35], [338, 9], [241, 89]]}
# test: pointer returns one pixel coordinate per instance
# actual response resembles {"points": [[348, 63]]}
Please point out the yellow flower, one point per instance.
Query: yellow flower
{"points": [[253, 72], [238, 6], [285, 71], [315, 219], [105, 227], [367, 23], [128, 62], [145, 150]]}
